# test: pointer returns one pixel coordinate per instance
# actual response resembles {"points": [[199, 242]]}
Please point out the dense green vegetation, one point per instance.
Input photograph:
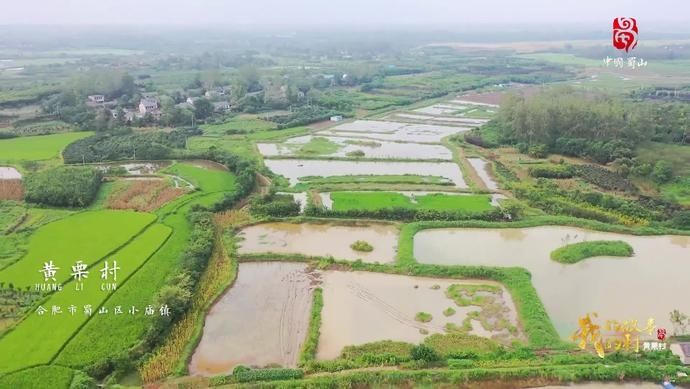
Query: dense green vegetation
{"points": [[577, 252], [128, 146], [571, 122], [36, 377], [63, 186]]}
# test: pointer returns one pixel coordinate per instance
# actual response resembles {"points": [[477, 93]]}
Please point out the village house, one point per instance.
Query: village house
{"points": [[215, 92], [96, 99], [221, 106], [149, 105]]}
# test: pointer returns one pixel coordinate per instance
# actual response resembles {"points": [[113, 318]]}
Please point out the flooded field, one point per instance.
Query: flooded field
{"points": [[138, 168], [293, 169], [473, 102], [440, 109], [606, 385], [256, 323], [429, 118], [369, 148], [321, 240], [363, 307], [9, 173], [649, 285], [394, 131], [482, 168]]}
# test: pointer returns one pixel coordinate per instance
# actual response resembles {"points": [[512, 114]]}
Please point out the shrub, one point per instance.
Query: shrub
{"points": [[81, 380], [552, 171], [275, 206], [604, 178], [356, 153], [681, 220], [268, 375], [538, 151], [662, 172], [363, 246], [424, 353], [423, 317], [63, 186]]}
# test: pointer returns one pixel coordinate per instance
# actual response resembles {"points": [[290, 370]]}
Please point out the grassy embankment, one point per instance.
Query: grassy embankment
{"points": [[576, 252]]}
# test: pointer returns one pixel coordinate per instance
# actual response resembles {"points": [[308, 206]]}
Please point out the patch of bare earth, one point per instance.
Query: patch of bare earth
{"points": [[143, 195], [11, 190]]}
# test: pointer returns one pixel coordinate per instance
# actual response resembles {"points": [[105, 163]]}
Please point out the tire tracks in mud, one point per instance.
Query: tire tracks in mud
{"points": [[368, 296]]}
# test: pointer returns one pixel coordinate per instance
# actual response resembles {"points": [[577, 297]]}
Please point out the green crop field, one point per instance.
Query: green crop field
{"points": [[345, 201], [240, 123], [205, 179], [36, 377], [89, 345], [11, 213], [37, 148], [36, 345], [86, 236]]}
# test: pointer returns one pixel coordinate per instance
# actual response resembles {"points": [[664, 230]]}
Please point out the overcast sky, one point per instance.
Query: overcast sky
{"points": [[446, 13]]}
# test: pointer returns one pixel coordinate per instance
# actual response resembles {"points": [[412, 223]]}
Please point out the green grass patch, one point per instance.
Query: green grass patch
{"points": [[86, 236], [423, 317], [448, 312], [677, 155], [311, 343], [206, 179], [465, 295], [318, 146], [362, 246], [37, 148], [577, 252], [57, 377], [237, 125], [23, 340], [11, 214], [345, 201], [678, 191]]}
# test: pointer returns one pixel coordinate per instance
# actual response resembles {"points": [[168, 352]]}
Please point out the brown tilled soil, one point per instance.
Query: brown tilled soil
{"points": [[11, 190], [143, 195]]}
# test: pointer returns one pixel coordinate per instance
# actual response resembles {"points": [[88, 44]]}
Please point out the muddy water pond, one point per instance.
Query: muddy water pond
{"points": [[293, 169], [261, 320], [482, 169], [9, 173], [394, 131], [650, 284], [320, 240], [368, 148], [363, 307]]}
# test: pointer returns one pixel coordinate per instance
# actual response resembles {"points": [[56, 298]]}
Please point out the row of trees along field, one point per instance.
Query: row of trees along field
{"points": [[586, 124]]}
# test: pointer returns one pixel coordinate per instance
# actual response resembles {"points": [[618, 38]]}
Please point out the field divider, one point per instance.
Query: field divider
{"points": [[98, 261], [68, 340]]}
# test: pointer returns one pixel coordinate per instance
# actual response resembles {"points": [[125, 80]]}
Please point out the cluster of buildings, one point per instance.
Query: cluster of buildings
{"points": [[150, 105]]}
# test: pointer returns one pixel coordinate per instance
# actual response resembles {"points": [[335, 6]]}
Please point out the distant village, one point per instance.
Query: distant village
{"points": [[150, 105]]}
